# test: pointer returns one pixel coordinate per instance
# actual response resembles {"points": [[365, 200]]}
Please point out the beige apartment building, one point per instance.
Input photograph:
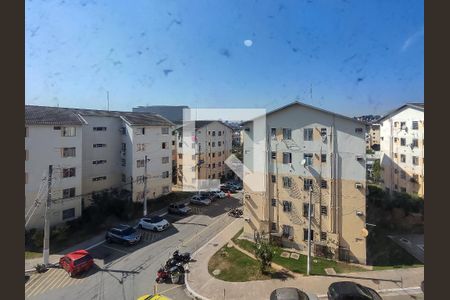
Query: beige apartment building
{"points": [[402, 148], [373, 136], [309, 148], [202, 148]]}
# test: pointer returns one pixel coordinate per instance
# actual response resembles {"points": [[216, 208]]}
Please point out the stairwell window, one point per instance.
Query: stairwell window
{"points": [[305, 234], [69, 172], [415, 143], [274, 178], [274, 202], [308, 159], [287, 133], [287, 157], [307, 184], [140, 163], [402, 142], [274, 155], [415, 125], [305, 210], [324, 210], [323, 184], [287, 206], [287, 182], [402, 158], [274, 226], [164, 130], [164, 145], [68, 152], [308, 134], [68, 131], [323, 158], [323, 236], [68, 193], [273, 133]]}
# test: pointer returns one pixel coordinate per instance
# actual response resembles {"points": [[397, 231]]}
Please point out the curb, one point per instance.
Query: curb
{"points": [[188, 287]]}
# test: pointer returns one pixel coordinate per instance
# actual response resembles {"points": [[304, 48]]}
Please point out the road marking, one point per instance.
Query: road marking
{"points": [[116, 249], [35, 290], [95, 245], [172, 288], [206, 227]]}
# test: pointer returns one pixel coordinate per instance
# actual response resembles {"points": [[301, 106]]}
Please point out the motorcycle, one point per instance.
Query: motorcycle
{"points": [[183, 257], [236, 212], [174, 273]]}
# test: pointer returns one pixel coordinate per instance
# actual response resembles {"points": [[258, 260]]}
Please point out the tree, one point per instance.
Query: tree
{"points": [[376, 171], [264, 254]]}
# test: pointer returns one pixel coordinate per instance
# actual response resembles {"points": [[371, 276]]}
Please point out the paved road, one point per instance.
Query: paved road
{"points": [[128, 272], [412, 243]]}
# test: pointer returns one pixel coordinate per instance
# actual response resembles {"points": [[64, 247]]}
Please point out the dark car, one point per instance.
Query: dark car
{"points": [[123, 234], [351, 290], [228, 188], [290, 293], [179, 209]]}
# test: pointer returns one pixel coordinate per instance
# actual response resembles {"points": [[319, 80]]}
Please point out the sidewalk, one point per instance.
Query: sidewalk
{"points": [[202, 285]]}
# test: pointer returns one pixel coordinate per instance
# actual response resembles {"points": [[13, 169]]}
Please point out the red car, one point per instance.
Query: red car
{"points": [[76, 262]]}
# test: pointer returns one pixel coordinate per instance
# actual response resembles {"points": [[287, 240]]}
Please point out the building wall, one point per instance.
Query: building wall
{"points": [[392, 151], [43, 146], [340, 196]]}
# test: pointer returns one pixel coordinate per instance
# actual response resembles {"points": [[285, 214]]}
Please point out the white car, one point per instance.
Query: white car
{"points": [[153, 223], [219, 194], [200, 200]]}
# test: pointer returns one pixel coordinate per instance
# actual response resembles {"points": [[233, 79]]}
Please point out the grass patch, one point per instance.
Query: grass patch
{"points": [[235, 266], [299, 266], [31, 254]]}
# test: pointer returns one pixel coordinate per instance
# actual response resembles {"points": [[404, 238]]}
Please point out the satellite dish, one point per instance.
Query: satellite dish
{"points": [[303, 162], [364, 232]]}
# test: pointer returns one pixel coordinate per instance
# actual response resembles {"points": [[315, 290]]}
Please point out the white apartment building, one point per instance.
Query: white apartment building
{"points": [[93, 151], [309, 147], [402, 146]]}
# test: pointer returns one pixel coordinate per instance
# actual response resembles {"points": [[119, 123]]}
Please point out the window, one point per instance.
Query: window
{"points": [[68, 152], [69, 172], [164, 145], [123, 130], [68, 131], [140, 179], [274, 155], [308, 159], [165, 174], [99, 145], [402, 125], [140, 163], [273, 133], [395, 155], [274, 178], [287, 133], [415, 143], [308, 134], [395, 187], [180, 144], [99, 128], [323, 158], [415, 160], [307, 183], [164, 130], [305, 234], [219, 164], [274, 226], [68, 213], [415, 125], [68, 193], [99, 178], [324, 210], [415, 178], [358, 130], [323, 184], [288, 231], [165, 160], [403, 190], [165, 189], [219, 153], [180, 155], [209, 132], [274, 202], [124, 147], [173, 143], [402, 158], [213, 165], [323, 236], [395, 124], [287, 182], [140, 147], [220, 133], [99, 162], [124, 178], [287, 206], [213, 144], [395, 171], [193, 156], [287, 157], [213, 133], [323, 131], [402, 141], [402, 174], [213, 154], [305, 210], [123, 162], [219, 144]]}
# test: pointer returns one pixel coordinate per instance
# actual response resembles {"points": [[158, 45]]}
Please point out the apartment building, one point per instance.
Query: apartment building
{"points": [[92, 151], [373, 137], [209, 144], [402, 146], [309, 150]]}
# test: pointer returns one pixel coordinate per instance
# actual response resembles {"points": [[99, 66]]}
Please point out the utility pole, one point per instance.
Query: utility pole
{"points": [[107, 98], [308, 267], [145, 186], [46, 250]]}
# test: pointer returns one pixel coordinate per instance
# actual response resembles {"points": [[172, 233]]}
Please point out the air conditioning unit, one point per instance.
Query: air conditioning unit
{"points": [[359, 157], [358, 185]]}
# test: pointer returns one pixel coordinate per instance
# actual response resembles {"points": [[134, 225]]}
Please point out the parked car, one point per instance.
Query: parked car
{"points": [[209, 195], [219, 194], [123, 234], [228, 188], [154, 223], [179, 209], [153, 297], [200, 200], [351, 290], [76, 262], [290, 293]]}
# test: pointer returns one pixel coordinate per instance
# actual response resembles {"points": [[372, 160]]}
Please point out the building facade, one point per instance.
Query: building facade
{"points": [[309, 148], [208, 144], [373, 137], [92, 151], [173, 113], [402, 146]]}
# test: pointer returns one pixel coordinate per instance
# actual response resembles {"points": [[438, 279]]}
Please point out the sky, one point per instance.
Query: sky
{"points": [[351, 57]]}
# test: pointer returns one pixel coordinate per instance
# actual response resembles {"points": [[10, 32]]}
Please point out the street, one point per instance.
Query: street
{"points": [[123, 272]]}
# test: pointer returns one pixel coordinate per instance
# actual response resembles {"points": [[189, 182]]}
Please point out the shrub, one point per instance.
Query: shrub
{"points": [[264, 254]]}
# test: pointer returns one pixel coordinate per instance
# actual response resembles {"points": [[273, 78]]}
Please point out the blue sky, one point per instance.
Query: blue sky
{"points": [[351, 57]]}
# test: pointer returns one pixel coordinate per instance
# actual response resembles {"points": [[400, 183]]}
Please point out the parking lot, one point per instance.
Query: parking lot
{"points": [[126, 272]]}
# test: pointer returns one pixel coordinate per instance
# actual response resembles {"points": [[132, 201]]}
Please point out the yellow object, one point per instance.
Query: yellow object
{"points": [[153, 297]]}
